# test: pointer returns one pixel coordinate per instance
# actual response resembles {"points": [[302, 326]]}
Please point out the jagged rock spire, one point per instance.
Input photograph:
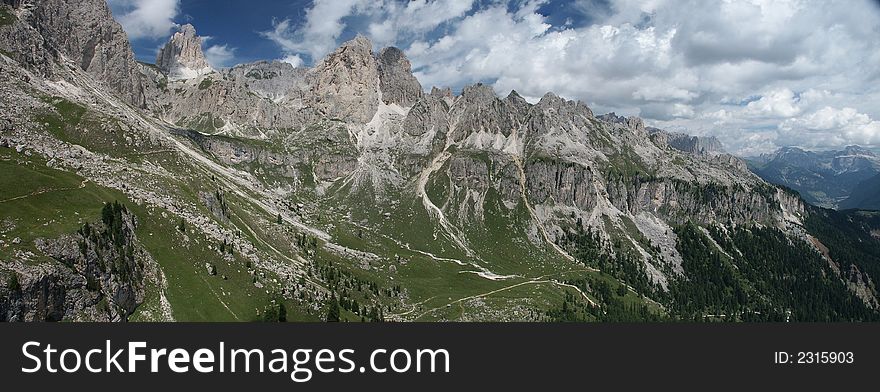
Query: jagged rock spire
{"points": [[397, 82], [344, 83], [182, 57]]}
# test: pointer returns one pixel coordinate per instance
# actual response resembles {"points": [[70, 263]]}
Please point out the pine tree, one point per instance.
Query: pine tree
{"points": [[282, 312], [333, 310]]}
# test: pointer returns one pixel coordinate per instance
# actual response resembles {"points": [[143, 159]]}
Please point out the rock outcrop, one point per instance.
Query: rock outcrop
{"points": [[98, 274], [264, 98], [397, 83], [182, 57], [81, 32], [686, 143], [345, 85]]}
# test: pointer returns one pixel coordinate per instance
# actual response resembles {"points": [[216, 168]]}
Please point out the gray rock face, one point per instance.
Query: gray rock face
{"points": [[271, 80], [345, 85], [249, 101], [85, 33], [692, 144], [97, 275], [24, 43], [429, 115], [182, 56], [568, 121], [562, 182], [634, 123], [396, 80], [265, 99], [479, 110]]}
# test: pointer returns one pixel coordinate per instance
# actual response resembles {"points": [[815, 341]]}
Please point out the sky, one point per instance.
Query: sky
{"points": [[757, 74]]}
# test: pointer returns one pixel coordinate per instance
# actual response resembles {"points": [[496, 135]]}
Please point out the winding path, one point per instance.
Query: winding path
{"points": [[45, 191]]}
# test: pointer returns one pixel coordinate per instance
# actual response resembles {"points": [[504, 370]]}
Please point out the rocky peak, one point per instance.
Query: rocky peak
{"points": [[698, 145], [611, 118], [551, 100], [478, 93], [636, 124], [83, 32], [633, 123], [344, 84], [562, 105], [442, 92], [396, 80], [515, 99], [478, 109], [516, 108], [359, 43], [858, 150], [554, 113], [182, 57]]}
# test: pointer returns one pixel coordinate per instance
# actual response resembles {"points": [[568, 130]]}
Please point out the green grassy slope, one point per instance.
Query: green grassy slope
{"points": [[37, 201]]}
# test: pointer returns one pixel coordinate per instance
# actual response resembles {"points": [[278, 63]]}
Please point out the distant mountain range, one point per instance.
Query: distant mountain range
{"points": [[865, 196], [845, 179]]}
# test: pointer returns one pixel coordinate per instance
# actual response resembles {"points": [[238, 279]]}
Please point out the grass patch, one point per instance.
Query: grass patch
{"points": [[205, 123], [206, 84], [73, 123], [7, 18], [40, 202]]}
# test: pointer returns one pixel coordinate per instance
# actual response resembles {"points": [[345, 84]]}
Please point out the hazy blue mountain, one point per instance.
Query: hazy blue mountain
{"points": [[823, 178], [865, 196]]}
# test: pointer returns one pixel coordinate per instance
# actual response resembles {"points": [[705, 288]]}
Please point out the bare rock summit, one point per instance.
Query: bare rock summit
{"points": [[182, 57]]}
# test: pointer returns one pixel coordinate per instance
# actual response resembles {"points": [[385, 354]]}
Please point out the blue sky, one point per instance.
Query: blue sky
{"points": [[232, 22], [239, 24], [758, 74]]}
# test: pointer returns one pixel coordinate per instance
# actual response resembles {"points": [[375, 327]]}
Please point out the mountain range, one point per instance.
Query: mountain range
{"points": [[830, 179], [349, 192]]}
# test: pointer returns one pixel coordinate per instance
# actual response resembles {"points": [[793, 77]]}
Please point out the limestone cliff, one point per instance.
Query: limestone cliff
{"points": [[82, 33], [182, 57]]}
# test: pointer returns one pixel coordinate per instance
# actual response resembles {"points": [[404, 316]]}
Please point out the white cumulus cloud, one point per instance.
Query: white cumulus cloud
{"points": [[146, 18], [759, 74], [220, 56]]}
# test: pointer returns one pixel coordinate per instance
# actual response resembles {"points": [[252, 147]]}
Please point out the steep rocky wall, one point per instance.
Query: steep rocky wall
{"points": [[564, 183], [25, 44], [694, 144], [295, 164], [83, 32], [679, 202], [397, 82], [96, 274], [345, 85]]}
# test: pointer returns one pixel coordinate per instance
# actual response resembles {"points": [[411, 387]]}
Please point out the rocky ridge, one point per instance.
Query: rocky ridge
{"points": [[82, 33]]}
